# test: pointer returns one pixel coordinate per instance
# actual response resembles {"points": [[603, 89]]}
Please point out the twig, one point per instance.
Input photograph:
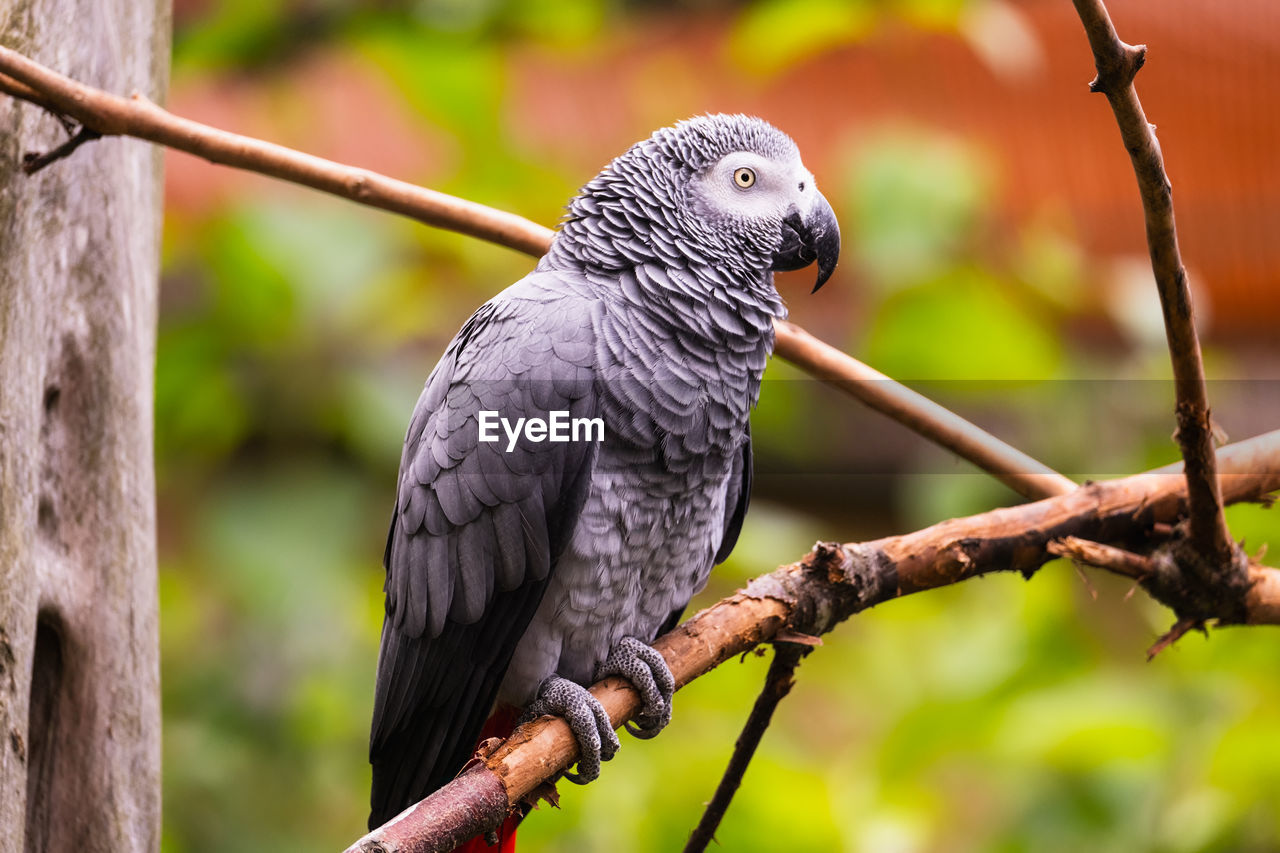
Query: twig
{"points": [[1084, 579], [1116, 560], [777, 684], [111, 115], [836, 581], [1216, 559], [1122, 562], [32, 163], [1168, 638]]}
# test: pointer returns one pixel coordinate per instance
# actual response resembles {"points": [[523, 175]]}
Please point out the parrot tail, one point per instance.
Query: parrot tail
{"points": [[501, 723]]}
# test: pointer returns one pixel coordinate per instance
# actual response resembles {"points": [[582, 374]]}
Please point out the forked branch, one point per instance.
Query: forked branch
{"points": [[1210, 558]]}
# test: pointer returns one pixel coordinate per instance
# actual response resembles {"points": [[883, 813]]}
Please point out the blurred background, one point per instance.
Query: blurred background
{"points": [[994, 259]]}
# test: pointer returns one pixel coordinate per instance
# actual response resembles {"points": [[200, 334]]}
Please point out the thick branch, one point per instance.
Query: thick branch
{"points": [[1215, 559], [834, 582], [109, 115], [1263, 600]]}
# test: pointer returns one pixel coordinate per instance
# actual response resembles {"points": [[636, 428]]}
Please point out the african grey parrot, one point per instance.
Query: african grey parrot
{"points": [[521, 569]]}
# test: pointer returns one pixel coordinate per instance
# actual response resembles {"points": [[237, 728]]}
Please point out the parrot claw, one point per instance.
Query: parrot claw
{"points": [[648, 672], [587, 720]]}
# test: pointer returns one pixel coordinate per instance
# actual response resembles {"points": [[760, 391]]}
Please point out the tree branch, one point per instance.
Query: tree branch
{"points": [[1115, 560], [1211, 557], [23, 92], [1017, 470], [831, 584], [110, 115], [1158, 570], [777, 684], [32, 163]]}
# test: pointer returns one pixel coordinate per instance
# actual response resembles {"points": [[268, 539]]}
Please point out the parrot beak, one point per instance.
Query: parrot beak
{"points": [[815, 237]]}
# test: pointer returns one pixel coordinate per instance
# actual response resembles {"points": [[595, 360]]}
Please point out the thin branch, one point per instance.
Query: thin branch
{"points": [[836, 581], [1168, 638], [1126, 563], [777, 684], [111, 115], [1017, 470], [1214, 557], [1115, 560], [32, 163], [23, 92]]}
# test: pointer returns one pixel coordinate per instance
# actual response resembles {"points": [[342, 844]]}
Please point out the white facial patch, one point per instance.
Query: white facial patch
{"points": [[776, 187]]}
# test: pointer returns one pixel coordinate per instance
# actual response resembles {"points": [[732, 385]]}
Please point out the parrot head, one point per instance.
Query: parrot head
{"points": [[726, 192], [763, 190]]}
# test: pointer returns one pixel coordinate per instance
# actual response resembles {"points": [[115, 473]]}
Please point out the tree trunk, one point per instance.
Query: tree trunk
{"points": [[79, 254]]}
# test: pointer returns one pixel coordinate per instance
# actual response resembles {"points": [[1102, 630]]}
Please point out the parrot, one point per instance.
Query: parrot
{"points": [[522, 569]]}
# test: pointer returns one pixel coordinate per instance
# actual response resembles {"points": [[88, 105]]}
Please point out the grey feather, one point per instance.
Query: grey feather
{"points": [[647, 314]]}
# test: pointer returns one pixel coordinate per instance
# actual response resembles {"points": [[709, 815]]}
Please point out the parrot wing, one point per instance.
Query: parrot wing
{"points": [[476, 530], [737, 497]]}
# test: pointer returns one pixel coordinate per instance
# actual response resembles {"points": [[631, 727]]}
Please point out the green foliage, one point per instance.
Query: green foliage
{"points": [[962, 325], [917, 200], [999, 715], [773, 35]]}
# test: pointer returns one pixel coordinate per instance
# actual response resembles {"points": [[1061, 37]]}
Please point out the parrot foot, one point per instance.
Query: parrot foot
{"points": [[587, 720], [645, 668]]}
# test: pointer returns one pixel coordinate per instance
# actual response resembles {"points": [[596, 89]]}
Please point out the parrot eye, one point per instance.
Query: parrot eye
{"points": [[744, 178]]}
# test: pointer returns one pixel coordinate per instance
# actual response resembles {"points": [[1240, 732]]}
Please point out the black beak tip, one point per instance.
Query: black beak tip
{"points": [[828, 257], [823, 275], [805, 242]]}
